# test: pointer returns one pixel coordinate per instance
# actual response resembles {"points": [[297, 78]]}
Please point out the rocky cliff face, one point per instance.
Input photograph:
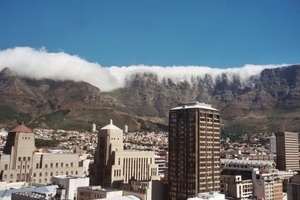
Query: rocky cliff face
{"points": [[145, 101]]}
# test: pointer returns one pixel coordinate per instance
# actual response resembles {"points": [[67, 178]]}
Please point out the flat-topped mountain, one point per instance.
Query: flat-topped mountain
{"points": [[265, 103]]}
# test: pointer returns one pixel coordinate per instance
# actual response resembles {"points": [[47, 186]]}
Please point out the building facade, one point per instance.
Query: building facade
{"points": [[114, 166], [287, 150], [293, 187], [20, 163], [194, 150], [273, 144]]}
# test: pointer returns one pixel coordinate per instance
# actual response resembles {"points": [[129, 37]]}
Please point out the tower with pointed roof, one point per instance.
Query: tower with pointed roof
{"points": [[19, 162], [114, 166], [20, 146]]}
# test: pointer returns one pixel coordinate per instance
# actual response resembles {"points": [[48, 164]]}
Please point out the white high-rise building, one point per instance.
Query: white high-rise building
{"points": [[273, 144]]}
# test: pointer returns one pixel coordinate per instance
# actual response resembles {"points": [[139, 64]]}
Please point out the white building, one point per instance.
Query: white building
{"points": [[68, 185], [47, 191], [209, 196], [273, 144]]}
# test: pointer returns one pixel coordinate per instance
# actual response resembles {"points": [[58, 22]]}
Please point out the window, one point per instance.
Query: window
{"points": [[11, 176], [62, 164], [5, 167], [71, 164], [56, 165], [37, 165], [41, 174], [34, 174]]}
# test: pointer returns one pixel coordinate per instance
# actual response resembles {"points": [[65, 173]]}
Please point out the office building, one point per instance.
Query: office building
{"points": [[287, 148], [114, 166], [194, 150], [19, 161]]}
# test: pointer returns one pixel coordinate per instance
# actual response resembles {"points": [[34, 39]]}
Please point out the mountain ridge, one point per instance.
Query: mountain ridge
{"points": [[145, 100]]}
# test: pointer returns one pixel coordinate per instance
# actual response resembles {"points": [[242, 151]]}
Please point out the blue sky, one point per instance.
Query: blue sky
{"points": [[218, 34]]}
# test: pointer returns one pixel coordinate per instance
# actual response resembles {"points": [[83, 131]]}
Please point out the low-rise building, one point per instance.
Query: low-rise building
{"points": [[68, 185], [97, 192]]}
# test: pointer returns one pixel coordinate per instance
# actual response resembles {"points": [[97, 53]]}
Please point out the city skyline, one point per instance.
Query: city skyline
{"points": [[220, 34]]}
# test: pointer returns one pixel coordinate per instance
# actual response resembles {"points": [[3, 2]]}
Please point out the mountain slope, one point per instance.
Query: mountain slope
{"points": [[263, 105]]}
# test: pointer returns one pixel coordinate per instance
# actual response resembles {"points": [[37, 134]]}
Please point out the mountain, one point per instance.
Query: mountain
{"points": [[268, 101]]}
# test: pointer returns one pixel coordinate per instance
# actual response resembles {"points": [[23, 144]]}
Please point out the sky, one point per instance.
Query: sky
{"points": [[218, 34]]}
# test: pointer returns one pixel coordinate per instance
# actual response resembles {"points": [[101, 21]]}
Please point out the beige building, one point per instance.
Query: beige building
{"points": [[266, 186], [235, 187], [97, 192], [287, 150], [266, 179], [194, 150], [114, 166], [20, 163]]}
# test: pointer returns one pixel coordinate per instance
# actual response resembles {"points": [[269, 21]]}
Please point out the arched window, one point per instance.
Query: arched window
{"points": [[41, 174], [11, 176], [34, 174], [46, 173], [5, 176]]}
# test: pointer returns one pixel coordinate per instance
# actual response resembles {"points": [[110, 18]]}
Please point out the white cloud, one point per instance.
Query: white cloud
{"points": [[39, 64]]}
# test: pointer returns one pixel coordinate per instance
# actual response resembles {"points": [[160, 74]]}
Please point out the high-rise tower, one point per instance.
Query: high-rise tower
{"points": [[287, 148], [194, 150]]}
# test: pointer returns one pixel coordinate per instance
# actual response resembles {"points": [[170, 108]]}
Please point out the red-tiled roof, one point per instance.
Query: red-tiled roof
{"points": [[21, 129]]}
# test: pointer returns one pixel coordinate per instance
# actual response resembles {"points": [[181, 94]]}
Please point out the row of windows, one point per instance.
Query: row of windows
{"points": [[56, 165], [24, 158], [11, 176]]}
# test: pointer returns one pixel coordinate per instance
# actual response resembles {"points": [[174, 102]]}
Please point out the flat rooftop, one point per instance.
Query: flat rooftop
{"points": [[194, 105]]}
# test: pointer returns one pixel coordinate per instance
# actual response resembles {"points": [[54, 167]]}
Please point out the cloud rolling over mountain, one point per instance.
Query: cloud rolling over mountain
{"points": [[39, 64]]}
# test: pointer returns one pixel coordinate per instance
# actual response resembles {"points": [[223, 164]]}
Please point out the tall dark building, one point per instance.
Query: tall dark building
{"points": [[194, 150], [287, 149]]}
